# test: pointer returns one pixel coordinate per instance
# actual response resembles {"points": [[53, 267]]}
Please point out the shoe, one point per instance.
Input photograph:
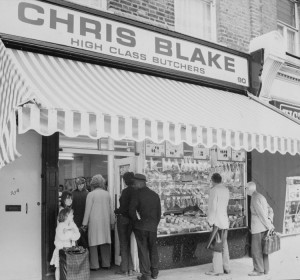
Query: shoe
{"points": [[140, 277], [154, 276], [130, 272], [227, 271], [255, 273], [94, 269], [213, 273], [120, 272]]}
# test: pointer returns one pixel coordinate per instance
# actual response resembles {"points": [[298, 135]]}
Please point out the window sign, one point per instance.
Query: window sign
{"points": [[200, 152], [238, 155], [224, 154], [155, 150], [175, 151]]}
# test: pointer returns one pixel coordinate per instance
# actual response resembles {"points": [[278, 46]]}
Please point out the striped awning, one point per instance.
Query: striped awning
{"points": [[14, 91], [85, 99]]}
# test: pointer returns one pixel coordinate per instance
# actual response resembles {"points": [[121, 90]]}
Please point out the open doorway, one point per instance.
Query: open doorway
{"points": [[68, 159]]}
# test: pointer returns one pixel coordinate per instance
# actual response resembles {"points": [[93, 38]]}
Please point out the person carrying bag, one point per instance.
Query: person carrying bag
{"points": [[261, 225], [218, 218]]}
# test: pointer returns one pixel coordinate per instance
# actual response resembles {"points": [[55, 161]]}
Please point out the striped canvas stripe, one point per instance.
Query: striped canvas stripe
{"points": [[13, 92]]}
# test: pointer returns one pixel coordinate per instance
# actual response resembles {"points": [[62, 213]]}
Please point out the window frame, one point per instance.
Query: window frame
{"points": [[213, 17], [295, 29]]}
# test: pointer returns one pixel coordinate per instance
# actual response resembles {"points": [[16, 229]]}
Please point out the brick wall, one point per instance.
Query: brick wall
{"points": [[159, 13], [238, 21]]}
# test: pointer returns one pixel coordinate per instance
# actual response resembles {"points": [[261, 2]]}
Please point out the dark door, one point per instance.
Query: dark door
{"points": [[50, 149]]}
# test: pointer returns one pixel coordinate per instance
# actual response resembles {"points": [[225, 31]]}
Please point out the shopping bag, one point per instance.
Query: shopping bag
{"points": [[271, 242], [134, 253], [215, 241], [74, 263]]}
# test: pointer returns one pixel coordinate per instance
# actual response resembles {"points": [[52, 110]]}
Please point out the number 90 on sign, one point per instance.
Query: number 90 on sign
{"points": [[242, 80]]}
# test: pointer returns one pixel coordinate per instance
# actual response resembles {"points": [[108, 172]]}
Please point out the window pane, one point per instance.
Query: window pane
{"points": [[193, 17], [286, 12], [291, 41]]}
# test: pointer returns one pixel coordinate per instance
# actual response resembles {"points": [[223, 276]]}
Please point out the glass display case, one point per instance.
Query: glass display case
{"points": [[181, 177], [291, 223]]}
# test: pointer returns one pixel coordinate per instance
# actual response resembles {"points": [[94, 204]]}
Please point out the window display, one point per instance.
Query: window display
{"points": [[183, 186], [291, 223]]}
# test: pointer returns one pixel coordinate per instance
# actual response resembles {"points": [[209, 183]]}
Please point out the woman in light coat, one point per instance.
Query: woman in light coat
{"points": [[98, 218]]}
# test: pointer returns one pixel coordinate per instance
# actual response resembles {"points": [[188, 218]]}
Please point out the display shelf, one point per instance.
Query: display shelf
{"points": [[291, 222], [183, 185]]}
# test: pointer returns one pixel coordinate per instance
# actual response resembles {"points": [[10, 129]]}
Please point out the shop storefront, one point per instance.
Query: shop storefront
{"points": [[280, 88], [94, 93]]}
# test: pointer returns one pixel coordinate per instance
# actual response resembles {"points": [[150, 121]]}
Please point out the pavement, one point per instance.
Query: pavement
{"points": [[281, 268], [284, 265]]}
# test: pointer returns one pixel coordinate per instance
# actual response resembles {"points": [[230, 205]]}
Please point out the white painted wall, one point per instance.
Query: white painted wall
{"points": [[20, 233]]}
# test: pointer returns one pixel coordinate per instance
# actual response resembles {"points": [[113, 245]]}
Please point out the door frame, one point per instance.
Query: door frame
{"points": [[49, 211], [131, 164]]}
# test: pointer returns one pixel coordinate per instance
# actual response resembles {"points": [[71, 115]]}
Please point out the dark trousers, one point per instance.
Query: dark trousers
{"points": [[260, 260], [124, 231], [147, 250]]}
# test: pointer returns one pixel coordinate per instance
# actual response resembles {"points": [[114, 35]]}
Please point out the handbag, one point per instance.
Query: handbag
{"points": [[215, 241], [271, 242], [83, 240]]}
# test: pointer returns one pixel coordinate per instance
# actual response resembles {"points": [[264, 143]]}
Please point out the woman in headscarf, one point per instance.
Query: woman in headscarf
{"points": [[98, 219]]}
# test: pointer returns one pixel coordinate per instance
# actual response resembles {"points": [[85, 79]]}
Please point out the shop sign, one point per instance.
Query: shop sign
{"points": [[290, 110], [53, 24]]}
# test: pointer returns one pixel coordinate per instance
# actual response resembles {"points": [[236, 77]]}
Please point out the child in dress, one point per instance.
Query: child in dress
{"points": [[66, 235]]}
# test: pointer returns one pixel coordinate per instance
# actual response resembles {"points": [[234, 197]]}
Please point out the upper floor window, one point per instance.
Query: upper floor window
{"points": [[96, 4], [288, 25], [196, 18]]}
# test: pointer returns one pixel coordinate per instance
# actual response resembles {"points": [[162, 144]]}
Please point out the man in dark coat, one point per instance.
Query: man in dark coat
{"points": [[79, 200], [145, 212], [124, 226]]}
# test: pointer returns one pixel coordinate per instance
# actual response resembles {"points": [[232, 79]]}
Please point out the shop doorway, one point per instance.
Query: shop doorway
{"points": [[64, 160], [122, 166]]}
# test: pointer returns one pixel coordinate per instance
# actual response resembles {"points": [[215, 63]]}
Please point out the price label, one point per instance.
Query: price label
{"points": [[175, 151], [200, 152], [224, 154], [238, 155], [155, 150]]}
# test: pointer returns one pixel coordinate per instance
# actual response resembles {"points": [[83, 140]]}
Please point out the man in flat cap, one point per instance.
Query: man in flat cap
{"points": [[145, 212]]}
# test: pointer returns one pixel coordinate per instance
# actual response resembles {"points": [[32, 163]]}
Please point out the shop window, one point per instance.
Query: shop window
{"points": [[288, 24], [96, 4], [196, 18]]}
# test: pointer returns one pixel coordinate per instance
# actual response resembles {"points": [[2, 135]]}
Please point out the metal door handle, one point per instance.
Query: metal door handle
{"points": [[26, 208]]}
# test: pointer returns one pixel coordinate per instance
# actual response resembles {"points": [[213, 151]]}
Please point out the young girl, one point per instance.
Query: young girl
{"points": [[66, 235], [66, 200]]}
